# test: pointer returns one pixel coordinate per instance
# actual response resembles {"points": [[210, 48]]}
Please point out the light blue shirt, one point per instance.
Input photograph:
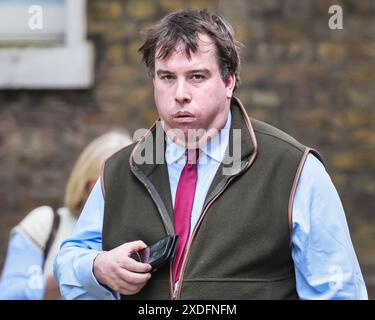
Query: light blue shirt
{"points": [[22, 277], [326, 266]]}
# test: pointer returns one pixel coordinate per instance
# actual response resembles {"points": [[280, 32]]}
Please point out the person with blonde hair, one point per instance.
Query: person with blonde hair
{"points": [[35, 241]]}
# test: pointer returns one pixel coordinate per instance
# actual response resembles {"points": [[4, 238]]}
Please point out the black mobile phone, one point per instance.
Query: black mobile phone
{"points": [[158, 253]]}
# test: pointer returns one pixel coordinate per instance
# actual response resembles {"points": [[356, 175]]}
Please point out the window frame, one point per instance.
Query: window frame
{"points": [[67, 66]]}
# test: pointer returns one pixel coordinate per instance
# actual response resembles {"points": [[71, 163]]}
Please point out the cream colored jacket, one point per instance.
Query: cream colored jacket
{"points": [[37, 226]]}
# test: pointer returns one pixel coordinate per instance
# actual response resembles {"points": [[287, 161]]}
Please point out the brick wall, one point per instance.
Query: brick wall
{"points": [[297, 74]]}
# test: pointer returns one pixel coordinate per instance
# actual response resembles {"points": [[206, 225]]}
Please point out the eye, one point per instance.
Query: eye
{"points": [[198, 77], [167, 77]]}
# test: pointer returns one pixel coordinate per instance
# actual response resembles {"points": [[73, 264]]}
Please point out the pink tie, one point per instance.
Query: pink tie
{"points": [[183, 206]]}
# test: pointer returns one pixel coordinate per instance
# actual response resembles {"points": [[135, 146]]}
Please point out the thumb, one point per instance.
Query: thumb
{"points": [[135, 246]]}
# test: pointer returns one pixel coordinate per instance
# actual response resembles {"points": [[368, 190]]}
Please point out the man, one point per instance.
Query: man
{"points": [[257, 214]]}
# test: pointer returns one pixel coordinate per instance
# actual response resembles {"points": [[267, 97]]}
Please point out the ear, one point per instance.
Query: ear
{"points": [[229, 85]]}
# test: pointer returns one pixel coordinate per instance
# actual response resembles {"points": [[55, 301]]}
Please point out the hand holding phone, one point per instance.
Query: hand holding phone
{"points": [[158, 253]]}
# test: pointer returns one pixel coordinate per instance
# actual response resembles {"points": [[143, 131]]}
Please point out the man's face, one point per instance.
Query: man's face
{"points": [[190, 93]]}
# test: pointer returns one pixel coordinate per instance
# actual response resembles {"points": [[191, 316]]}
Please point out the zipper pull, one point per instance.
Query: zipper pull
{"points": [[175, 290]]}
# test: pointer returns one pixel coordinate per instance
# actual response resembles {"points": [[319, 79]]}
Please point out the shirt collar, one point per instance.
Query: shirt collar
{"points": [[214, 149], [173, 151]]}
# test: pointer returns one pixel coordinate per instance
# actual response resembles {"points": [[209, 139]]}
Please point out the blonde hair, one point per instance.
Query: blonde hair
{"points": [[88, 167]]}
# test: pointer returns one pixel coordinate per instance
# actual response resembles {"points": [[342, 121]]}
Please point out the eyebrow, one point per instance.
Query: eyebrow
{"points": [[203, 70], [161, 71]]}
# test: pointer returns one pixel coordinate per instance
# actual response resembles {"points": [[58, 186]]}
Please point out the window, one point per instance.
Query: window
{"points": [[43, 45]]}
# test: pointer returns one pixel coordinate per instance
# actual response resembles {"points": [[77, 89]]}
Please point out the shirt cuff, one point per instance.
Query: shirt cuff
{"points": [[89, 282]]}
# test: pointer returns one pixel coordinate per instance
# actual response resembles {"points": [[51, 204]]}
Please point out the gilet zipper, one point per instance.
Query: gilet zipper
{"points": [[186, 256]]}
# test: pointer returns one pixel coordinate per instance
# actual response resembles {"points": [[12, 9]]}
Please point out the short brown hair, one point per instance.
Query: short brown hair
{"points": [[183, 27]]}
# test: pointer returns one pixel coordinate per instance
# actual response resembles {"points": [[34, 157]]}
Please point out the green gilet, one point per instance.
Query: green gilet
{"points": [[240, 247]]}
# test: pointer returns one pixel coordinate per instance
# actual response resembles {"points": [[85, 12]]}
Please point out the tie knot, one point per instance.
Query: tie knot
{"points": [[192, 156]]}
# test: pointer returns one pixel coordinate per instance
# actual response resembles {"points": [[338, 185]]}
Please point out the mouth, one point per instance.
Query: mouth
{"points": [[183, 117]]}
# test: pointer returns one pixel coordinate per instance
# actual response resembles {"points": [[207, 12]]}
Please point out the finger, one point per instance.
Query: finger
{"points": [[133, 277], [135, 246], [135, 266], [127, 288]]}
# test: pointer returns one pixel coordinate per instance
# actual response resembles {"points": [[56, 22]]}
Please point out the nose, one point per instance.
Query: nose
{"points": [[182, 95]]}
